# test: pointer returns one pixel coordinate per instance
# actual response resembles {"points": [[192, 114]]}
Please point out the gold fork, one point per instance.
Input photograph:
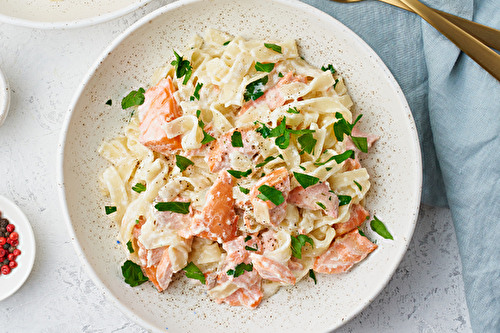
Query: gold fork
{"points": [[469, 36]]}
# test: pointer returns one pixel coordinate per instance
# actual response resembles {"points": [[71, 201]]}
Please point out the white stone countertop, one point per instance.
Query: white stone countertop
{"points": [[44, 69]]}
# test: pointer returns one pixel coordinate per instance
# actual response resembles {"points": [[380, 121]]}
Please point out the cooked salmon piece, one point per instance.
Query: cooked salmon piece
{"points": [[218, 155], [272, 270], [357, 216], [280, 180], [217, 221], [316, 197], [343, 253], [159, 107], [274, 97], [174, 221], [249, 298]]}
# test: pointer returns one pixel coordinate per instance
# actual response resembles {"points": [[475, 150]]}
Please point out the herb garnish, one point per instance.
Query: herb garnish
{"points": [[358, 185], [260, 67], [244, 190], [239, 174], [236, 140], [255, 89], [307, 142], [133, 273], [193, 272], [361, 143], [139, 187], [270, 193], [110, 209], [361, 232], [297, 244], [274, 47], [379, 227], [109, 102], [247, 238], [182, 67], [321, 205], [130, 247], [174, 207], [196, 93], [305, 180], [135, 97], [280, 132], [337, 158], [293, 110], [225, 43], [313, 276], [206, 137], [342, 127], [344, 199], [240, 269], [249, 248], [328, 68], [182, 162]]}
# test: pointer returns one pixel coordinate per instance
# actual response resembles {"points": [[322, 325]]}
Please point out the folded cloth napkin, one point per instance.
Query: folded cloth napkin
{"points": [[456, 106]]}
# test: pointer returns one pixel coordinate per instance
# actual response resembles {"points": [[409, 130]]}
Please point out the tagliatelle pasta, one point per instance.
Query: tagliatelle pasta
{"points": [[240, 168]]}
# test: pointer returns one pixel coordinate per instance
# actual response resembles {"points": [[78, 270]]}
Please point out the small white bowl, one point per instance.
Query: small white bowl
{"points": [[11, 282], [4, 97]]}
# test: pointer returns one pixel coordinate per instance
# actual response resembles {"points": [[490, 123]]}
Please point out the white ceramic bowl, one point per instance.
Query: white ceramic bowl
{"points": [[395, 166], [60, 14], [4, 97]]}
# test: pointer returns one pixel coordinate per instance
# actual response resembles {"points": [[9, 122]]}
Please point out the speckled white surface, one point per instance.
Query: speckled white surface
{"points": [[44, 69]]}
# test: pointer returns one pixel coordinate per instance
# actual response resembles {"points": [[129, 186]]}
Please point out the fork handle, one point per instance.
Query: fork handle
{"points": [[474, 48]]}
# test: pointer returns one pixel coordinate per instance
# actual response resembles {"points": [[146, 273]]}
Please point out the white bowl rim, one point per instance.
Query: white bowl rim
{"points": [[114, 44], [74, 24]]}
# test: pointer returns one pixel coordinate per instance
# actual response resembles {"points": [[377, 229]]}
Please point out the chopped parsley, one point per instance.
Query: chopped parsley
{"points": [[249, 248], [361, 232], [110, 209], [358, 185], [307, 142], [379, 227], [244, 191], [225, 43], [239, 174], [247, 238], [313, 276], [133, 273], [342, 126], [344, 199], [281, 133], [297, 244], [109, 102], [305, 180], [240, 269], [337, 158], [329, 67], [182, 67], [135, 97], [130, 247], [196, 93], [182, 162], [206, 137], [272, 194], [139, 187], [260, 67], [293, 110], [255, 89], [193, 272], [321, 205], [361, 143], [174, 207], [236, 140], [274, 47]]}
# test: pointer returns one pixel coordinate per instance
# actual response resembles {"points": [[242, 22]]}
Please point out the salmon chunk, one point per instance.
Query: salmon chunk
{"points": [[315, 197], [357, 216], [280, 180], [159, 107], [343, 253], [274, 97], [272, 270], [218, 220], [249, 298]]}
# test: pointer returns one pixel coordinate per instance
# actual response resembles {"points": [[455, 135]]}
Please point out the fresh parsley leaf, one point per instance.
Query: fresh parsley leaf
{"points": [[274, 47], [110, 209], [280, 74], [244, 190], [207, 138], [109, 102], [255, 89], [236, 140], [198, 113], [305, 180], [139, 187], [313, 276], [135, 97], [283, 141], [342, 126], [267, 160], [361, 143], [240, 269], [338, 158], [307, 142], [358, 185], [133, 273], [379, 227], [293, 110], [196, 93], [279, 130], [130, 247], [260, 67], [239, 174], [193, 272], [264, 130], [225, 43], [344, 199], [302, 167], [328, 68], [247, 238], [174, 207], [321, 205], [249, 248], [182, 162], [272, 194], [182, 67], [361, 232], [297, 244]]}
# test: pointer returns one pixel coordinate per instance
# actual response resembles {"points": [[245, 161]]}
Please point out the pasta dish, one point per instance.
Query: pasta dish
{"points": [[240, 169]]}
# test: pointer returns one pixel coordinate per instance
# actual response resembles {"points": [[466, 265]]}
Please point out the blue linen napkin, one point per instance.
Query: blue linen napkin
{"points": [[456, 106]]}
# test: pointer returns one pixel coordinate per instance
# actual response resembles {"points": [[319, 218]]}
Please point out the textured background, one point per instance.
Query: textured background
{"points": [[44, 68]]}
